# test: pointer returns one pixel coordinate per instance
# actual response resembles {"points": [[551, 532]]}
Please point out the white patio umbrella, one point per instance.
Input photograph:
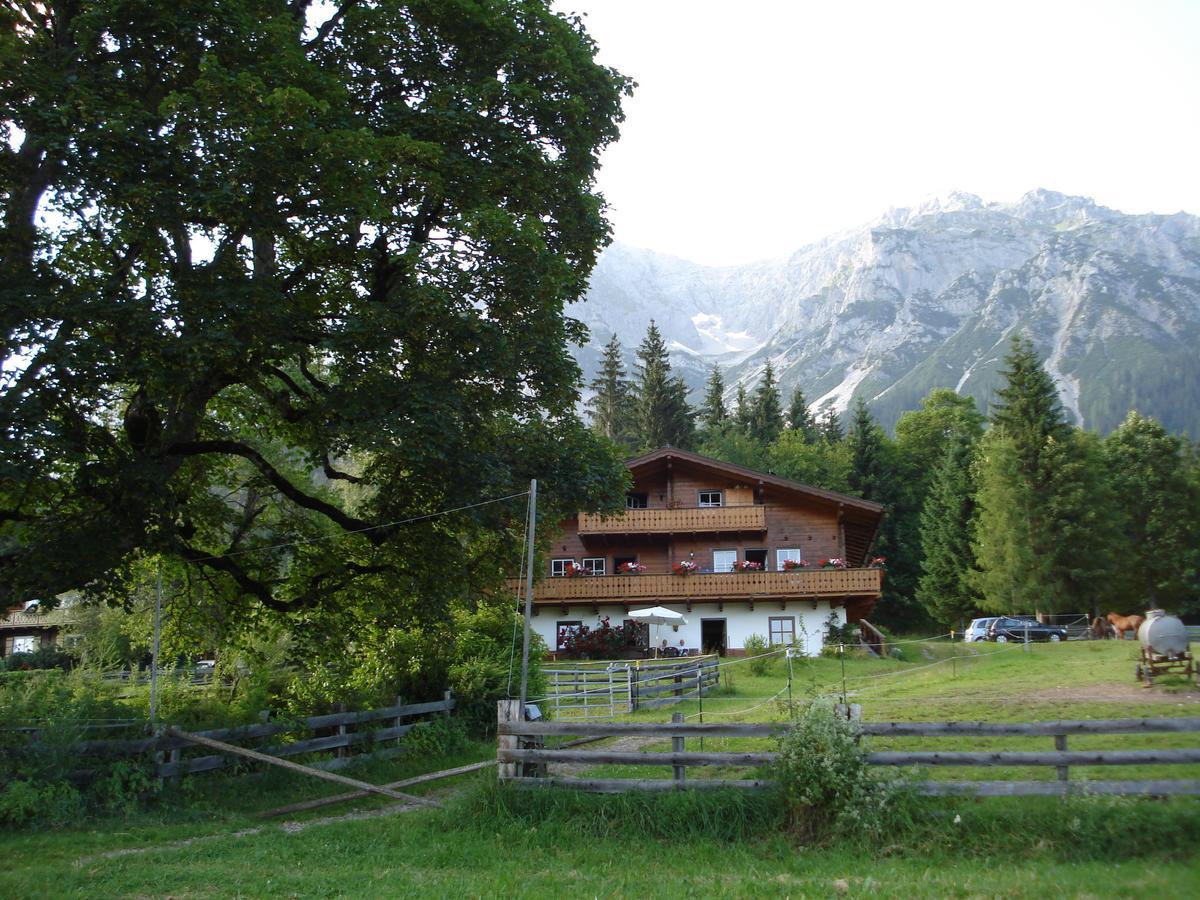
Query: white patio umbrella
{"points": [[657, 615]]}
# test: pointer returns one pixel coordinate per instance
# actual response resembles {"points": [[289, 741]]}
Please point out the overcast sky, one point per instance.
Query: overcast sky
{"points": [[759, 126]]}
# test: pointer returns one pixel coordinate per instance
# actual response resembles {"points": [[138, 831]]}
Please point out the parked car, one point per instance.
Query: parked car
{"points": [[1009, 628], [978, 629]]}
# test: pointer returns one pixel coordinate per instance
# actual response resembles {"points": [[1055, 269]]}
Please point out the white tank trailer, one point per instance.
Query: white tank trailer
{"points": [[1164, 645]]}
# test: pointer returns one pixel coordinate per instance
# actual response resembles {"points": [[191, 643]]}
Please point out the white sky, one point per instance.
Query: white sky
{"points": [[761, 125]]}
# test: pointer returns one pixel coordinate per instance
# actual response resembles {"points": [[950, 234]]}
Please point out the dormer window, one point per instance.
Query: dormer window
{"points": [[711, 498]]}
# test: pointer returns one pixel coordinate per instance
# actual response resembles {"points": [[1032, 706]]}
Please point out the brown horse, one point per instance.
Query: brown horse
{"points": [[1102, 630], [1122, 624]]}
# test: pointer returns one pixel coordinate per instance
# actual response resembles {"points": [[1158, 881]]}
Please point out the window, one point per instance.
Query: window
{"points": [[710, 498], [637, 501], [594, 564], [558, 567], [619, 561], [757, 556], [26, 643], [783, 630], [786, 554], [723, 560], [563, 630]]}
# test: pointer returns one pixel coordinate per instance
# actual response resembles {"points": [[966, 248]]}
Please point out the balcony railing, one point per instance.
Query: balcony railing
{"points": [[54, 617], [676, 521], [799, 584]]}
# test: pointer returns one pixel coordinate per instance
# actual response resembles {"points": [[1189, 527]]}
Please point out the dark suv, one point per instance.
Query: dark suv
{"points": [[1007, 629]]}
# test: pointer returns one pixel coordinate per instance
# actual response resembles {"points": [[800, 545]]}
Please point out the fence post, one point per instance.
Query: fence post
{"points": [[1060, 744], [343, 751], [677, 747], [507, 712], [448, 696]]}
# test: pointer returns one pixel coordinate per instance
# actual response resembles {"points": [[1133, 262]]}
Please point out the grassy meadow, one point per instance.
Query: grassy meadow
{"points": [[206, 839]]}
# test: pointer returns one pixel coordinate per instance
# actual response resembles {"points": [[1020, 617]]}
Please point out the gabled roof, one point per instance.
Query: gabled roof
{"points": [[861, 517]]}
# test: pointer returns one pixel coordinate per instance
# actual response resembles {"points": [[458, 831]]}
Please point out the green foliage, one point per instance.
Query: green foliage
{"points": [[731, 444], [945, 588], [828, 789], [1159, 516], [434, 738], [819, 463], [713, 414], [766, 412], [49, 656], [800, 419], [292, 284], [611, 403], [757, 648], [660, 399]]}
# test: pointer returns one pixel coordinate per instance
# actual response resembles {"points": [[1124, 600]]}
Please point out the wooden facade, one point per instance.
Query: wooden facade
{"points": [[26, 631], [687, 508]]}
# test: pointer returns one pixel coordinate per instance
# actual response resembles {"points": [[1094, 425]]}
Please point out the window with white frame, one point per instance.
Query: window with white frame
{"points": [[594, 564], [711, 498], [563, 631], [723, 560], [558, 567], [25, 643], [786, 554], [637, 501], [783, 630]]}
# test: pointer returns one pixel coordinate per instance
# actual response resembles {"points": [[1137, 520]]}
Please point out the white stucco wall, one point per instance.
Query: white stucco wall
{"points": [[740, 622]]}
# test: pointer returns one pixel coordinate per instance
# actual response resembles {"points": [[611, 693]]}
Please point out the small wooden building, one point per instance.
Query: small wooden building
{"points": [[737, 552]]}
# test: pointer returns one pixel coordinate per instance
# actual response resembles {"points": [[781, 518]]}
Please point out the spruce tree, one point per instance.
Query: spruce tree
{"points": [[766, 415], [1022, 545], [713, 415], [831, 426], [1158, 516], [742, 417], [662, 414], [611, 407], [800, 419], [945, 587], [868, 468]]}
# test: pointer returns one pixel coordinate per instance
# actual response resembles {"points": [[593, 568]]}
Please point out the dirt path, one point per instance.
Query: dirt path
{"points": [[627, 744]]}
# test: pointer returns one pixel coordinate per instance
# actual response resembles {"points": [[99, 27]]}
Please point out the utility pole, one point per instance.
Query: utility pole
{"points": [[528, 593], [154, 649]]}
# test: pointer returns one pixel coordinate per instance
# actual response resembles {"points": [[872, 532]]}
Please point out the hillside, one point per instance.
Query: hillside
{"points": [[928, 297]]}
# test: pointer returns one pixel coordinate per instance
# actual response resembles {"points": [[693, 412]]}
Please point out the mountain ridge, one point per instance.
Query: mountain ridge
{"points": [[927, 296]]}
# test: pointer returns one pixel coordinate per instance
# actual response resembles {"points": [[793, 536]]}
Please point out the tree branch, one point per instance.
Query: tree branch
{"points": [[332, 473], [251, 586], [331, 23], [285, 487]]}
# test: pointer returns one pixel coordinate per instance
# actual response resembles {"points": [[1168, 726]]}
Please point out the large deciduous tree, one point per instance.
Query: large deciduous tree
{"points": [[292, 269]]}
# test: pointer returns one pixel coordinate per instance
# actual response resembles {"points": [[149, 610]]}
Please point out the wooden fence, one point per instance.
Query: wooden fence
{"points": [[522, 759], [616, 688], [349, 736]]}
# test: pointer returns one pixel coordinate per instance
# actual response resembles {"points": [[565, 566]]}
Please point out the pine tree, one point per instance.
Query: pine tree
{"points": [[1028, 410], [868, 468], [1159, 515], [800, 419], [742, 412], [945, 587], [831, 426], [766, 415], [1022, 546], [662, 414], [713, 415], [611, 407]]}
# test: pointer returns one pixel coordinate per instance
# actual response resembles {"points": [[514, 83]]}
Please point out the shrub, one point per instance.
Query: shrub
{"points": [[437, 737], [757, 648], [828, 789]]}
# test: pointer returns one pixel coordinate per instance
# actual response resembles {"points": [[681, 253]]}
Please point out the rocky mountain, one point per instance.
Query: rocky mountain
{"points": [[928, 297]]}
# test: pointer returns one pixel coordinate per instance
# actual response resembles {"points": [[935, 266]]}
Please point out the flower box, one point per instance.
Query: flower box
{"points": [[684, 567], [747, 566], [631, 568]]}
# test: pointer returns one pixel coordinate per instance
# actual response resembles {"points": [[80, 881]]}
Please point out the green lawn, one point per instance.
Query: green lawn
{"points": [[491, 844]]}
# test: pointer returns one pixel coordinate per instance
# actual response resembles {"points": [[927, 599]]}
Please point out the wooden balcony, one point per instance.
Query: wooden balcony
{"points": [[52, 619], [650, 590], [712, 520]]}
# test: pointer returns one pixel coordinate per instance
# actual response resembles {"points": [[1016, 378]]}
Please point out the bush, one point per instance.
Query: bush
{"points": [[437, 737], [757, 648], [48, 657], [828, 789]]}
